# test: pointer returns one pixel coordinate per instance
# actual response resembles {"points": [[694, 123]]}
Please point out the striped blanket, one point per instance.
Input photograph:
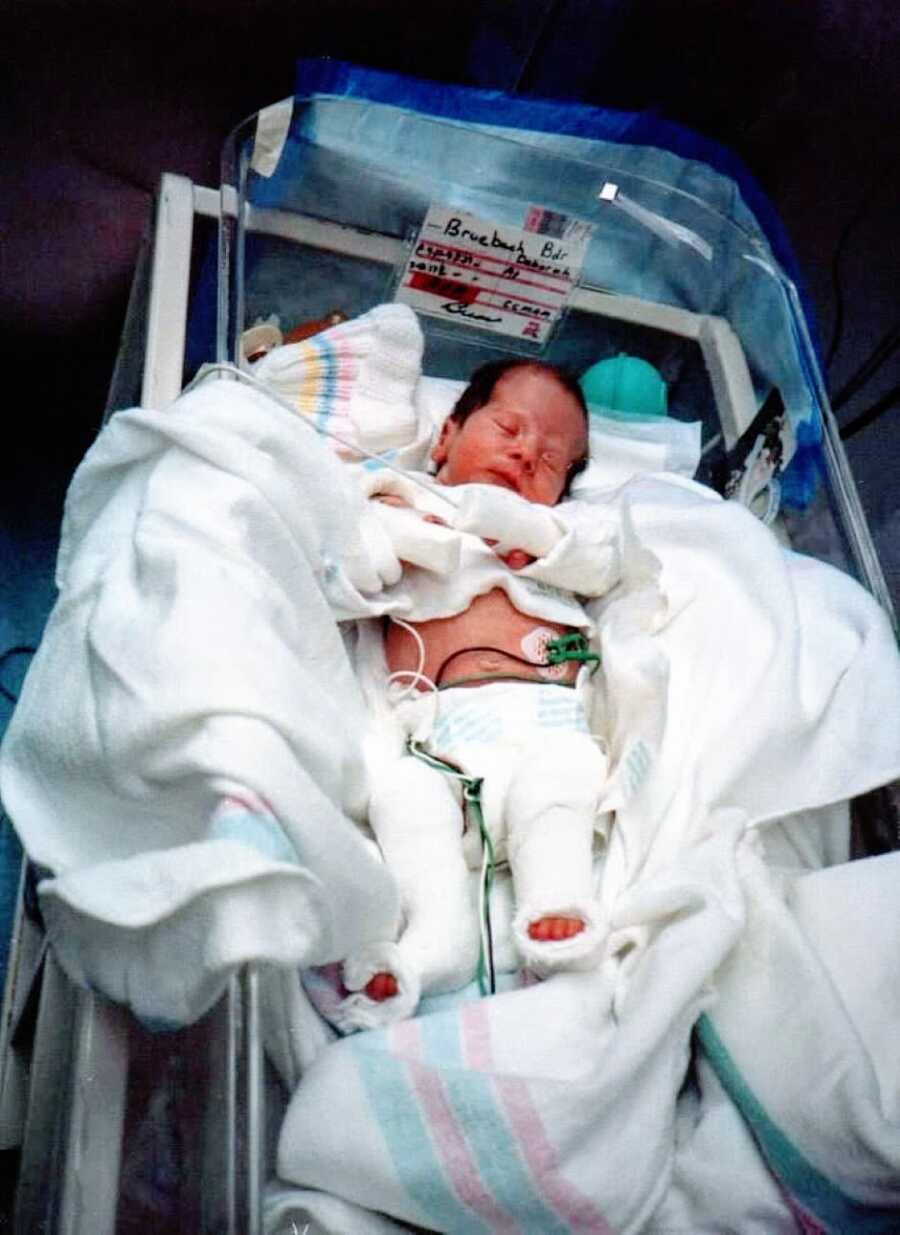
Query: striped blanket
{"points": [[681, 1088]]}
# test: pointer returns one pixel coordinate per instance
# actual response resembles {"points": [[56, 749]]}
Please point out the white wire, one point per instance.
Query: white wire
{"points": [[416, 675], [771, 488], [774, 503], [226, 367], [414, 679]]}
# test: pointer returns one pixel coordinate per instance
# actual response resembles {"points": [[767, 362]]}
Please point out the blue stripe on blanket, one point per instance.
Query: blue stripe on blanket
{"points": [[328, 388], [377, 464], [474, 1102], [824, 1200], [398, 1113], [261, 832]]}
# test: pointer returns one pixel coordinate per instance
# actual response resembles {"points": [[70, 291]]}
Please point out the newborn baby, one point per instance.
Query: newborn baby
{"points": [[482, 696]]}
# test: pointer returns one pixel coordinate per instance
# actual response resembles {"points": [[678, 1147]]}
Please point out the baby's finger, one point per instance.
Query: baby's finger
{"points": [[516, 559]]}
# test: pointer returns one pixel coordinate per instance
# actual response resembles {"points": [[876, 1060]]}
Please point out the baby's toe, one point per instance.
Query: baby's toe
{"points": [[381, 986], [554, 928]]}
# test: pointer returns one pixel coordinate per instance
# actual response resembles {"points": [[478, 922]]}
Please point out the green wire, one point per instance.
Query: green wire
{"points": [[487, 983], [472, 796]]}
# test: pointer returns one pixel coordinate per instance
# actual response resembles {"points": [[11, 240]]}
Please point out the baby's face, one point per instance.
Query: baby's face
{"points": [[525, 438]]}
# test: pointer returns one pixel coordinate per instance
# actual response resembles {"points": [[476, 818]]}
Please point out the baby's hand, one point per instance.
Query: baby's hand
{"points": [[392, 499], [515, 559], [488, 510]]}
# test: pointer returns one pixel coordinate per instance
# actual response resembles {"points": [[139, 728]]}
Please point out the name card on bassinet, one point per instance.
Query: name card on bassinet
{"points": [[495, 276]]}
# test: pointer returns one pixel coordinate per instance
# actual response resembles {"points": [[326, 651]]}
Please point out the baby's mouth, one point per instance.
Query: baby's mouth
{"points": [[503, 480]]}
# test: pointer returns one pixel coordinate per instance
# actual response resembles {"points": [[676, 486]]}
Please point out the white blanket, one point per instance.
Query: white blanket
{"points": [[193, 661], [763, 681], [192, 657]]}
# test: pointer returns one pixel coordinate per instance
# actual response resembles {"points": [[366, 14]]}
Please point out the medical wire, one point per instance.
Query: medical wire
{"points": [[415, 674], [471, 789], [771, 489], [235, 371], [533, 664], [485, 885], [472, 796]]}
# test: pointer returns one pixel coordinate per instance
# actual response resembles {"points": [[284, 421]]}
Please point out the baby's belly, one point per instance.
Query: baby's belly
{"points": [[483, 642]]}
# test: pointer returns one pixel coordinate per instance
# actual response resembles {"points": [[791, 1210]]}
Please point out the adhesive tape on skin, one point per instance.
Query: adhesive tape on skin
{"points": [[534, 648]]}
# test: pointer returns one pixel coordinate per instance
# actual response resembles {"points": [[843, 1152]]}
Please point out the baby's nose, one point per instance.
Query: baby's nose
{"points": [[525, 449]]}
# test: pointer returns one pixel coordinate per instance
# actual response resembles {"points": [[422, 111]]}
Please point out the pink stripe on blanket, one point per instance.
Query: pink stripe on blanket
{"points": [[806, 1223], [476, 1036], [246, 799], [446, 1133], [575, 1209], [345, 353]]}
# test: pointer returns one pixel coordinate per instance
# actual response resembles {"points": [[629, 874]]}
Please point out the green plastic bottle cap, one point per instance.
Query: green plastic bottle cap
{"points": [[627, 385]]}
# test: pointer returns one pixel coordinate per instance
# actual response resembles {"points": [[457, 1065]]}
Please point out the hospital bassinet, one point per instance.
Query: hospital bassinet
{"points": [[584, 249]]}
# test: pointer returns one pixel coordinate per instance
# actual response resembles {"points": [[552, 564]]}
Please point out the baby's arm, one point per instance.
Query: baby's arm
{"points": [[573, 546], [399, 524], [417, 539]]}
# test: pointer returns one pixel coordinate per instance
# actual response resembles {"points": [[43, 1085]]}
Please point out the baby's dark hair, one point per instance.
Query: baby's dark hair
{"points": [[485, 378]]}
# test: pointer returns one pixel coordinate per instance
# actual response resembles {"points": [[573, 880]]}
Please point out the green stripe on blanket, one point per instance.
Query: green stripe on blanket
{"points": [[807, 1188]]}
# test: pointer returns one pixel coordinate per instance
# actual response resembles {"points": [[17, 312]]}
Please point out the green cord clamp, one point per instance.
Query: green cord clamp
{"points": [[570, 647]]}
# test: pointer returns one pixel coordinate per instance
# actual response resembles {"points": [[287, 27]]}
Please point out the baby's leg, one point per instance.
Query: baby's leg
{"points": [[551, 812], [417, 821]]}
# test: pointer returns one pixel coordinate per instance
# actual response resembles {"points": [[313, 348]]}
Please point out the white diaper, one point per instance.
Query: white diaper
{"points": [[542, 776], [477, 728], [471, 721]]}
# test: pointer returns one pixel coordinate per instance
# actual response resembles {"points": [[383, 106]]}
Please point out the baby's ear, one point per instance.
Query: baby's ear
{"points": [[441, 449]]}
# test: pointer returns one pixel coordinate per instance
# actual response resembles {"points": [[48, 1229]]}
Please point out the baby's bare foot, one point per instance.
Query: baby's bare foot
{"points": [[552, 929], [380, 987]]}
